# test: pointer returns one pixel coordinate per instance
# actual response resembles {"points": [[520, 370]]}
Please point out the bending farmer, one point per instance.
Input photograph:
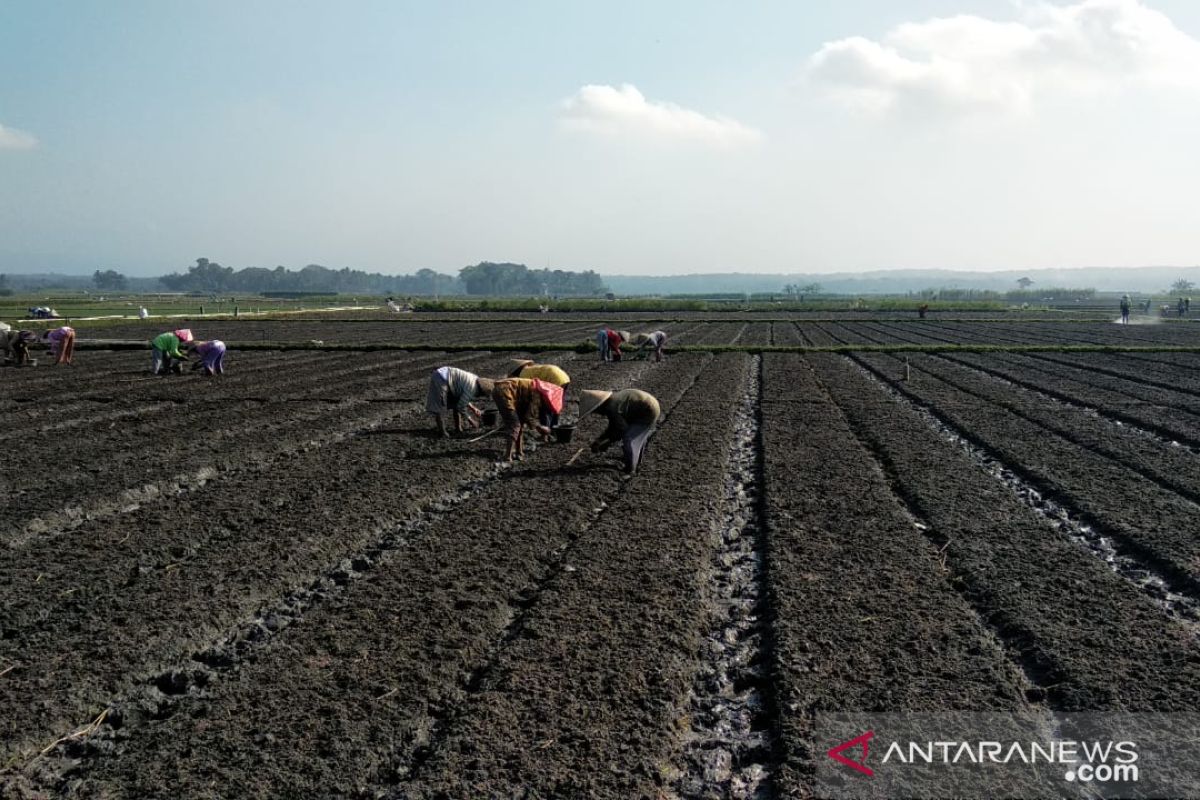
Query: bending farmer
{"points": [[609, 343], [550, 373], [164, 350], [520, 405], [14, 345], [631, 414], [61, 342], [453, 389], [656, 340], [212, 356]]}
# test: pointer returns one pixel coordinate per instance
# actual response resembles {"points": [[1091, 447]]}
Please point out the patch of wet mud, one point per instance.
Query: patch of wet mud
{"points": [[728, 742]]}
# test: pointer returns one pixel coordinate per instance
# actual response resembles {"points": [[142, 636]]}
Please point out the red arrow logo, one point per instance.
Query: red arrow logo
{"points": [[865, 740]]}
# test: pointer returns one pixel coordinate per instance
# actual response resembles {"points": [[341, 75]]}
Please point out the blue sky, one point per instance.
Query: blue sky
{"points": [[637, 138]]}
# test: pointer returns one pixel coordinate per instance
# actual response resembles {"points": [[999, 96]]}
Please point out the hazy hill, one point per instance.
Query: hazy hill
{"points": [[901, 281]]}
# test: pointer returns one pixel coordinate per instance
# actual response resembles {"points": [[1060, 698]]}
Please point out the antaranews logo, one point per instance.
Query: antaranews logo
{"points": [[863, 741], [981, 755], [1089, 761]]}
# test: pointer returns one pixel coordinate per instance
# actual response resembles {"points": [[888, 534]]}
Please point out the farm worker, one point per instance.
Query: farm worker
{"points": [[143, 313], [609, 342], [453, 389], [1125, 309], [212, 356], [922, 310], [61, 342], [14, 344], [1182, 307], [657, 340], [519, 402], [550, 373], [631, 414], [165, 350]]}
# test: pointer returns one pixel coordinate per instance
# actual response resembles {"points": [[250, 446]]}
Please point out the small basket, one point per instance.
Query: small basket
{"points": [[489, 417], [564, 433]]}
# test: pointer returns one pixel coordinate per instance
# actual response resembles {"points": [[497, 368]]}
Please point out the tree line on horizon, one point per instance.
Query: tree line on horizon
{"points": [[485, 279]]}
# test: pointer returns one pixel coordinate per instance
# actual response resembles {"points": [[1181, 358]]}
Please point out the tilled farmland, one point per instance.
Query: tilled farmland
{"points": [[281, 583]]}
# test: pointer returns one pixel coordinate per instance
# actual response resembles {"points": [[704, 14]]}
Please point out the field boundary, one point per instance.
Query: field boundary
{"points": [[588, 346]]}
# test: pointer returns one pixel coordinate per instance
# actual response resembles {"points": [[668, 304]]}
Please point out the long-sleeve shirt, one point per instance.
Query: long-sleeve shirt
{"points": [[654, 339], [9, 339], [518, 401], [211, 346], [550, 373], [614, 342], [56, 337], [167, 343], [460, 388], [627, 408]]}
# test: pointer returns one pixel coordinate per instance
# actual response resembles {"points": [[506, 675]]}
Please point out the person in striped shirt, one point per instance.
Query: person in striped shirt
{"points": [[452, 390]]}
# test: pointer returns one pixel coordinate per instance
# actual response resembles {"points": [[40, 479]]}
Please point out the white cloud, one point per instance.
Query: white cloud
{"points": [[968, 63], [626, 112], [13, 139]]}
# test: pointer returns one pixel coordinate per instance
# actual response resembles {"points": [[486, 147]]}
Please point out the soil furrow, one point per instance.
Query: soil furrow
{"points": [[396, 648], [1150, 520], [728, 747], [600, 673], [860, 606], [1024, 573]]}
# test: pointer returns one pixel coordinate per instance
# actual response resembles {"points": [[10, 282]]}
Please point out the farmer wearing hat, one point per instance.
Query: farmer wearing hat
{"points": [[14, 344], [164, 350], [609, 343], [519, 401], [61, 342], [631, 414], [550, 373], [453, 389], [656, 340], [212, 356]]}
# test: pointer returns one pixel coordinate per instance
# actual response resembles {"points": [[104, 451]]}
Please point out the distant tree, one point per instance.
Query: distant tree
{"points": [[4, 287], [811, 288], [1182, 285], [205, 276], [487, 278], [1024, 283], [110, 279]]}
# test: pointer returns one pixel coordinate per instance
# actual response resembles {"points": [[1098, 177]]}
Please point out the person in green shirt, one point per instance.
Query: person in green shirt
{"points": [[165, 350]]}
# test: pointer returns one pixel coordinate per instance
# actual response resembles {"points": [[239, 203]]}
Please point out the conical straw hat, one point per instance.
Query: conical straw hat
{"points": [[590, 400]]}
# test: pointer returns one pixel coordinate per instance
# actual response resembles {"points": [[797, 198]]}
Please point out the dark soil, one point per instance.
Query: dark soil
{"points": [[279, 583]]}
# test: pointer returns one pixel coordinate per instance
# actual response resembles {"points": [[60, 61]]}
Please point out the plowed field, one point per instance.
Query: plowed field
{"points": [[281, 583]]}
